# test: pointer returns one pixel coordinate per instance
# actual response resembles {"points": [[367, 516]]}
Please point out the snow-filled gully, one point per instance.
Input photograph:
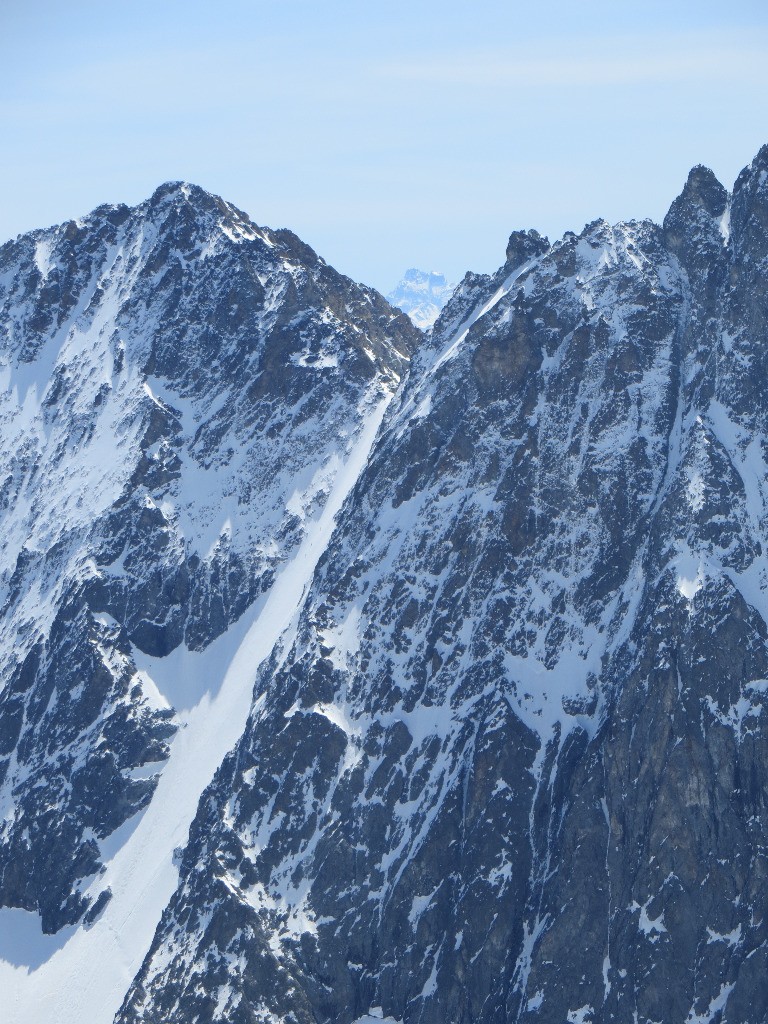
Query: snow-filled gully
{"points": [[85, 978]]}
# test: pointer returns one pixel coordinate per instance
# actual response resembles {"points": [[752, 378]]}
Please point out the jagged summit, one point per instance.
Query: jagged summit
{"points": [[702, 184], [186, 193], [698, 221], [180, 191], [525, 245], [181, 201]]}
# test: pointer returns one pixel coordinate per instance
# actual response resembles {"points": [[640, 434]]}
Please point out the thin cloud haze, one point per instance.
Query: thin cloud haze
{"points": [[622, 62]]}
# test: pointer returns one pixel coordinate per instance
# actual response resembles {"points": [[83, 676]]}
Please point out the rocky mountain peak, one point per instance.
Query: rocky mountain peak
{"points": [[697, 227], [703, 189], [179, 194], [525, 245]]}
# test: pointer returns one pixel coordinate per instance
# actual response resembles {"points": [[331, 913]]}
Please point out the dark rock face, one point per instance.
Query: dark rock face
{"points": [[513, 764], [75, 717], [178, 387]]}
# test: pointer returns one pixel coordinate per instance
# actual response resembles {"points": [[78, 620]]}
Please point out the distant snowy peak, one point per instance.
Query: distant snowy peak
{"points": [[421, 295]]}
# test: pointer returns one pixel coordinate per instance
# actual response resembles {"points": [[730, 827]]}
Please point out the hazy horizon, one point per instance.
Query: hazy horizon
{"points": [[387, 138]]}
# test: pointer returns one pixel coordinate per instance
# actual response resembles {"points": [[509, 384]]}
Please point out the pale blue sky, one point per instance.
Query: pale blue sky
{"points": [[387, 135]]}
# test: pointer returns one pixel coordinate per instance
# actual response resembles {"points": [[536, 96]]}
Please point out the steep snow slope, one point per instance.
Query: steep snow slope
{"points": [[524, 699]]}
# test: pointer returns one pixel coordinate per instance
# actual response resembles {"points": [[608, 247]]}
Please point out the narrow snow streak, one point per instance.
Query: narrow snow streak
{"points": [[87, 978], [458, 337]]}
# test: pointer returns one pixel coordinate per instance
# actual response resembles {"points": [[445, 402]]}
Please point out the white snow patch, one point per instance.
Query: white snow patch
{"points": [[606, 976], [651, 927], [344, 639], [732, 938], [419, 904], [43, 252], [531, 936], [146, 771], [240, 232], [376, 1018], [535, 1001], [320, 361], [584, 1015], [154, 698], [695, 490], [736, 714], [106, 620], [537, 694], [689, 572], [337, 715], [183, 678], [716, 1005], [688, 587], [423, 409]]}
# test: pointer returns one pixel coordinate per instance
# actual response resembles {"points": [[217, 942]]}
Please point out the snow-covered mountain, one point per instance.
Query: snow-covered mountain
{"points": [[186, 400], [353, 674], [421, 295]]}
